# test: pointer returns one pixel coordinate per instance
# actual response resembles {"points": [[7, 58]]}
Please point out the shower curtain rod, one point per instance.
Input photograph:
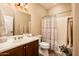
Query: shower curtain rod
{"points": [[64, 12], [58, 13]]}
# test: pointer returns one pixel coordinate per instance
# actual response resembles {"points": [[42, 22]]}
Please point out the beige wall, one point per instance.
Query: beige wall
{"points": [[37, 12], [75, 29], [59, 8], [6, 9]]}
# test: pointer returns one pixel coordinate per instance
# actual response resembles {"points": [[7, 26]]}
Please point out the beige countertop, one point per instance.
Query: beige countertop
{"points": [[12, 44]]}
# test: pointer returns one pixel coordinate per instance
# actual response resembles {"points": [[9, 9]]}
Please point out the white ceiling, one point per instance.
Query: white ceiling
{"points": [[47, 5]]}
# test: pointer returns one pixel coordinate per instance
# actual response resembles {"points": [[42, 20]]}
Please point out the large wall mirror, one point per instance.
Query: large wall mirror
{"points": [[14, 25]]}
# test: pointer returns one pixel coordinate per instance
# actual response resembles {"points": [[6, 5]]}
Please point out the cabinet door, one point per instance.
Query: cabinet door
{"points": [[35, 48], [32, 49], [18, 51]]}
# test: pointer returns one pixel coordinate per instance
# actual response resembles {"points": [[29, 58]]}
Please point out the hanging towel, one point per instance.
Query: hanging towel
{"points": [[2, 26], [69, 33]]}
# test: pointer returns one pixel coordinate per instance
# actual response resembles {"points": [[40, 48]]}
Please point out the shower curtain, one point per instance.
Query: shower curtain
{"points": [[56, 31], [48, 30], [64, 27], [61, 30]]}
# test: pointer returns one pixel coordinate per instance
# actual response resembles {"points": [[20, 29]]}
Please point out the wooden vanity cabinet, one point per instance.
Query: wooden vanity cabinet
{"points": [[29, 49], [32, 49], [18, 51]]}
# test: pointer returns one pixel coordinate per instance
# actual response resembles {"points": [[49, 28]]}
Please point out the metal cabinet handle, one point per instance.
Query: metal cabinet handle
{"points": [[24, 47]]}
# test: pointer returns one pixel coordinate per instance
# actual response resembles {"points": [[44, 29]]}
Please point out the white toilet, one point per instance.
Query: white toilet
{"points": [[43, 47]]}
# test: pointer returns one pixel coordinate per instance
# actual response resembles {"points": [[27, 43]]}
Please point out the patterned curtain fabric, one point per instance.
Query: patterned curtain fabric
{"points": [[54, 31], [61, 25], [48, 30]]}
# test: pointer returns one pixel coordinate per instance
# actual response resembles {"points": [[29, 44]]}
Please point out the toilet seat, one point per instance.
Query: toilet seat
{"points": [[44, 45]]}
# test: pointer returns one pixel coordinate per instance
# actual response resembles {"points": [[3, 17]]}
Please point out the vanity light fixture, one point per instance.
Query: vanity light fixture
{"points": [[21, 6]]}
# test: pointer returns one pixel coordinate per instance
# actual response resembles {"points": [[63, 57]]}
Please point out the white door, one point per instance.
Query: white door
{"points": [[8, 21]]}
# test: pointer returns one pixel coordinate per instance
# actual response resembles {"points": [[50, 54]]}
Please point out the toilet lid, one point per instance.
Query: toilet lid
{"points": [[44, 43]]}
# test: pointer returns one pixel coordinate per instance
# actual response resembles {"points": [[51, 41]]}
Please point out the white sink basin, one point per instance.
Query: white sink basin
{"points": [[18, 39]]}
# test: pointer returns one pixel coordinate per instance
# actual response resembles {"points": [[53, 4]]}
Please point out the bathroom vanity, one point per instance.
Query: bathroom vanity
{"points": [[25, 47]]}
